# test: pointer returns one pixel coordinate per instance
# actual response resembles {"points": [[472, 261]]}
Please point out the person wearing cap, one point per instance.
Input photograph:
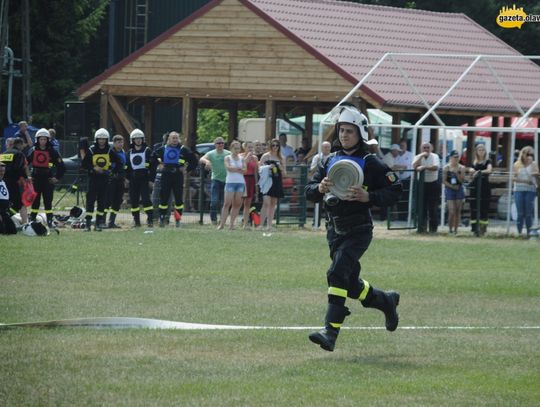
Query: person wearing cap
{"points": [[138, 174], [350, 227], [173, 159], [453, 178], [16, 175], [428, 163], [98, 161], [47, 169], [117, 181], [7, 227]]}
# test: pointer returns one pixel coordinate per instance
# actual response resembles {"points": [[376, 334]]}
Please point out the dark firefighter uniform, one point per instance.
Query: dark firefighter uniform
{"points": [[46, 164], [98, 181], [174, 159], [15, 163], [349, 233], [350, 229], [138, 173], [117, 180]]}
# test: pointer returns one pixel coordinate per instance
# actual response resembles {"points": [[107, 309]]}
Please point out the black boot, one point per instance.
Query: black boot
{"points": [[98, 227], [112, 220], [326, 337], [385, 301], [150, 219], [88, 224], [137, 219], [161, 221]]}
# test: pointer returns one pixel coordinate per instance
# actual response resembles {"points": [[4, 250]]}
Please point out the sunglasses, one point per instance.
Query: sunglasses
{"points": [[275, 145], [530, 155], [220, 142]]}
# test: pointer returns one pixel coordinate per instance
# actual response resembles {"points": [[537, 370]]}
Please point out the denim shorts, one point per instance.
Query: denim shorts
{"points": [[453, 195], [235, 187]]}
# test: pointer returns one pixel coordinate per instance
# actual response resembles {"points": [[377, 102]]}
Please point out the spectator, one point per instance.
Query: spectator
{"points": [[453, 177], [480, 190], [9, 143], [428, 163], [215, 161], [250, 178], [303, 150], [24, 134], [117, 181], [390, 157], [7, 227], [16, 174], [173, 159], [47, 169], [320, 157], [525, 173], [54, 141], [234, 185], [258, 149], [156, 190], [286, 150], [274, 163]]}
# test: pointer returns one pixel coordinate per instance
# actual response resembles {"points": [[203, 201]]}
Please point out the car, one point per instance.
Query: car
{"points": [[203, 148]]}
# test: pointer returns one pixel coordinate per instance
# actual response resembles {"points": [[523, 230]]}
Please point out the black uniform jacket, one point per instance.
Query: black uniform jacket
{"points": [[379, 180], [185, 158]]}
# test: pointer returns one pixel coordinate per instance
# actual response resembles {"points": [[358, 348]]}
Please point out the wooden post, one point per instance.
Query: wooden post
{"points": [[270, 114], [495, 137], [187, 118], [308, 125], [508, 156], [233, 122], [149, 120], [104, 110], [470, 141], [396, 133]]}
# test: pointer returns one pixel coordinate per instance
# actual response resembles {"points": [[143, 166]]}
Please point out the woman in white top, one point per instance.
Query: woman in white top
{"points": [[525, 173], [234, 185]]}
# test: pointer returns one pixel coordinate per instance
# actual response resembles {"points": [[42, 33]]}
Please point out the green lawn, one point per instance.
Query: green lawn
{"points": [[199, 275]]}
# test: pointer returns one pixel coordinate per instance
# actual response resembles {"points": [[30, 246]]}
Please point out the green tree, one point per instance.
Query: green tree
{"points": [[64, 53], [212, 123]]}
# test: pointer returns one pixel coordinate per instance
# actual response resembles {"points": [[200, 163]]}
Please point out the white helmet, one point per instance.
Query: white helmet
{"points": [[43, 133], [351, 115], [136, 134], [101, 133]]}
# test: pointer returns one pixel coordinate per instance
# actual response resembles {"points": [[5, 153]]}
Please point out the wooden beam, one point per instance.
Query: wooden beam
{"points": [[118, 127], [104, 110], [308, 124], [149, 120], [396, 133], [470, 141], [270, 114], [123, 116], [233, 122]]}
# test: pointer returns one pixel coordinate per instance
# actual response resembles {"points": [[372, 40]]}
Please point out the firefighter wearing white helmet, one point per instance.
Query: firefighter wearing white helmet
{"points": [[350, 225], [47, 169], [101, 134], [138, 173], [98, 161]]}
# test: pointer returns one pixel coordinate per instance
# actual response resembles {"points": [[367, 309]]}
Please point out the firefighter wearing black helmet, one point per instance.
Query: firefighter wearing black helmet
{"points": [[173, 159], [350, 227], [47, 169], [138, 173]]}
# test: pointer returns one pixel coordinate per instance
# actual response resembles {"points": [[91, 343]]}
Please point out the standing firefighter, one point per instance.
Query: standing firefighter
{"points": [[173, 159], [47, 169], [98, 161], [138, 171], [350, 227], [117, 181]]}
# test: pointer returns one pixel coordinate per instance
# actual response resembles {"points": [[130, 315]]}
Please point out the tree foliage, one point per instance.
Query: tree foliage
{"points": [[212, 123]]}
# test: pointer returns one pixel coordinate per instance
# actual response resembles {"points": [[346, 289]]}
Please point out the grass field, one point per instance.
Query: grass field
{"points": [[199, 275]]}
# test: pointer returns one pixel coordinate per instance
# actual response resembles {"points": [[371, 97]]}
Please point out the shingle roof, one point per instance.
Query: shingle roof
{"points": [[352, 37]]}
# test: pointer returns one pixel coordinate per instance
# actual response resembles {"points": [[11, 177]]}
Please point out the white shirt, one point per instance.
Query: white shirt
{"points": [[431, 160], [235, 177], [4, 193], [389, 159], [317, 158], [287, 151], [405, 159]]}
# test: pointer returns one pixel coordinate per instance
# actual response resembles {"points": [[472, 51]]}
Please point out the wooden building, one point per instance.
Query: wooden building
{"points": [[301, 57]]}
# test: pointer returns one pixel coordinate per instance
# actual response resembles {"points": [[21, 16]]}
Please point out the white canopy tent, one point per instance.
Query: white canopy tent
{"points": [[432, 110]]}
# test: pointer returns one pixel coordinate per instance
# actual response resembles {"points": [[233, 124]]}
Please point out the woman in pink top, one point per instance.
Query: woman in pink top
{"points": [[252, 165]]}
